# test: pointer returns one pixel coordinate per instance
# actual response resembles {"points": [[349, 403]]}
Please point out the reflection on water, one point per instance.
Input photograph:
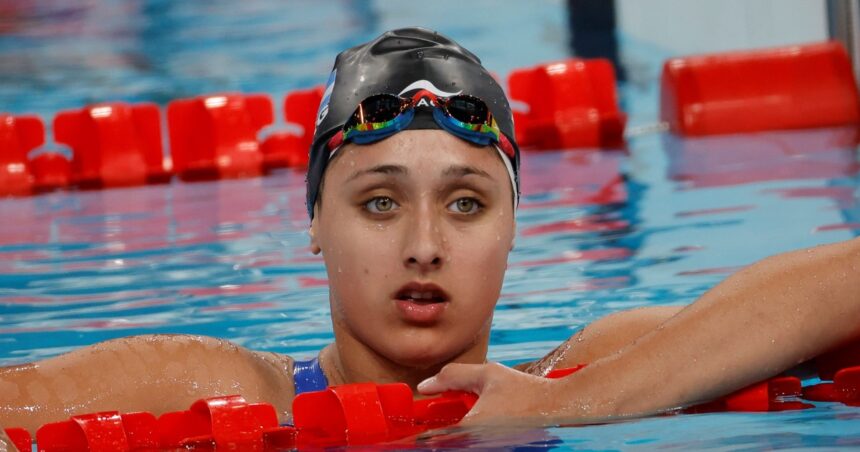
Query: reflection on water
{"points": [[766, 156]]}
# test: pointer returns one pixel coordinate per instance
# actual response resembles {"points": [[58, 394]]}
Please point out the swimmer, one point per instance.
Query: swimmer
{"points": [[412, 188]]}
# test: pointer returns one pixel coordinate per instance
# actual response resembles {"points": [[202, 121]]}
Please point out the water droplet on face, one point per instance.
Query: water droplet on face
{"points": [[339, 270]]}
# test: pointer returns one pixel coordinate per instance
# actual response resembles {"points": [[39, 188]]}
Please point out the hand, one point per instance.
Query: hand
{"points": [[507, 396]]}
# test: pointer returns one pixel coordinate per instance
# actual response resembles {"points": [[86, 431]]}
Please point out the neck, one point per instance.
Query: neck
{"points": [[347, 360]]}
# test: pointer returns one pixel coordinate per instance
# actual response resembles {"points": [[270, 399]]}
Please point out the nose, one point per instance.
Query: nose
{"points": [[425, 242]]}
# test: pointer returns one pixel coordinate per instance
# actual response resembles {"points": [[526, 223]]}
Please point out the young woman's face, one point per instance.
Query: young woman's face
{"points": [[415, 232]]}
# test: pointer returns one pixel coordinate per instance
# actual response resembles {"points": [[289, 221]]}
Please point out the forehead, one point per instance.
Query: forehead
{"points": [[424, 151]]}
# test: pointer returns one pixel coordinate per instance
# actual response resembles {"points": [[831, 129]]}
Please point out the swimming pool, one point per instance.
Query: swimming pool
{"points": [[656, 224]]}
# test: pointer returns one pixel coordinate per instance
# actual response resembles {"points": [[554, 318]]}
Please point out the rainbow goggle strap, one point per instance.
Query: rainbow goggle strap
{"points": [[382, 115]]}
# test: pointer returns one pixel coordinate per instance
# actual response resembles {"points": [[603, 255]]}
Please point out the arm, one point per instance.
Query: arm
{"points": [[601, 338], [772, 315], [142, 373]]}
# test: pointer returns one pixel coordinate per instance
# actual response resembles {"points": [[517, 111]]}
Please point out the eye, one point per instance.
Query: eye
{"points": [[465, 206], [380, 204]]}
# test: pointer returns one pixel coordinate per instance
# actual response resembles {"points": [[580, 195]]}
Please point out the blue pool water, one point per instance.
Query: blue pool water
{"points": [[657, 224]]}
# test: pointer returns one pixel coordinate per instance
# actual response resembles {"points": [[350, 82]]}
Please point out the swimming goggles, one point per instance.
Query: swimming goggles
{"points": [[382, 115]]}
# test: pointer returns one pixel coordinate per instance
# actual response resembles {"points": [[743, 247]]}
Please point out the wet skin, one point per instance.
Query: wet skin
{"points": [[446, 220], [422, 208]]}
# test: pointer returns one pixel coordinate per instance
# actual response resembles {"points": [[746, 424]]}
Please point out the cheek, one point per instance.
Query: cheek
{"points": [[355, 256], [485, 254], [479, 259]]}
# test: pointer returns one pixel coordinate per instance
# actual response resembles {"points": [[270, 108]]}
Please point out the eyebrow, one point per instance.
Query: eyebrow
{"points": [[395, 170], [464, 170], [454, 171]]}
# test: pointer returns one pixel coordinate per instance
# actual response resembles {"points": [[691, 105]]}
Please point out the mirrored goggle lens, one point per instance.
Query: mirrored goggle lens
{"points": [[468, 109], [377, 108]]}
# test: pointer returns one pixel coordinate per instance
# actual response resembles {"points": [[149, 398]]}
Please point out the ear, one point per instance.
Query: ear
{"points": [[315, 247]]}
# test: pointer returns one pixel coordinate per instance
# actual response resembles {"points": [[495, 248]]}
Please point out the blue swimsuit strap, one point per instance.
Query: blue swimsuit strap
{"points": [[308, 376]]}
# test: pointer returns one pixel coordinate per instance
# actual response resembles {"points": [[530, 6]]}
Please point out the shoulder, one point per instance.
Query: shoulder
{"points": [[217, 366], [230, 368], [156, 373], [602, 338]]}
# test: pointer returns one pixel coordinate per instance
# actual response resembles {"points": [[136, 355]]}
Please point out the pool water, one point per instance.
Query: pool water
{"points": [[658, 223]]}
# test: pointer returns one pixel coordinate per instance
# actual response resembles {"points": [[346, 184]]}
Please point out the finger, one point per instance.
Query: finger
{"points": [[455, 377]]}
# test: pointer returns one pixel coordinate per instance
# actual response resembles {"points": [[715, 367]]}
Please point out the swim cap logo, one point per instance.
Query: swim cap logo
{"points": [[329, 87], [426, 85]]}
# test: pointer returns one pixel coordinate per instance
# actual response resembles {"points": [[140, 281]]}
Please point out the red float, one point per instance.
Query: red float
{"points": [[284, 150], [20, 438], [18, 136], [106, 431], [51, 170], [802, 86], [828, 364], [213, 137], [845, 388], [769, 395], [113, 144], [568, 104], [300, 111], [561, 373], [218, 421], [291, 149], [362, 413]]}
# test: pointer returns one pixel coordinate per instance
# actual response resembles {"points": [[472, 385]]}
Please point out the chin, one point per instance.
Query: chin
{"points": [[421, 354]]}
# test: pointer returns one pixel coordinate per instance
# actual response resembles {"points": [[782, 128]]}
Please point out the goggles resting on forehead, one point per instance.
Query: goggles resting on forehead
{"points": [[382, 115]]}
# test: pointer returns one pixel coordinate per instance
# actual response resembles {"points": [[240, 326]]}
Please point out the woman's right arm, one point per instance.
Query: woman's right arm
{"points": [[156, 373]]}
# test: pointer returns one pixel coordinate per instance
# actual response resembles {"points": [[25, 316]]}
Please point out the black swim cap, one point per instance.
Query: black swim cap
{"points": [[399, 62]]}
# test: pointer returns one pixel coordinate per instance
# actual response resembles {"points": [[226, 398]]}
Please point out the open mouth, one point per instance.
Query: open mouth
{"points": [[421, 294]]}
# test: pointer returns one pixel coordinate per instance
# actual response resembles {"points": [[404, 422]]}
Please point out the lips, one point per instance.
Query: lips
{"points": [[421, 293], [421, 303]]}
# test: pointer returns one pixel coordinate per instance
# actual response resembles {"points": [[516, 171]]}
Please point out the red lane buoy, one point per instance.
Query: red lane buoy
{"points": [[18, 136], [51, 170], [284, 150], [113, 144], [301, 109], [20, 438], [567, 104], [215, 136], [794, 87]]}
